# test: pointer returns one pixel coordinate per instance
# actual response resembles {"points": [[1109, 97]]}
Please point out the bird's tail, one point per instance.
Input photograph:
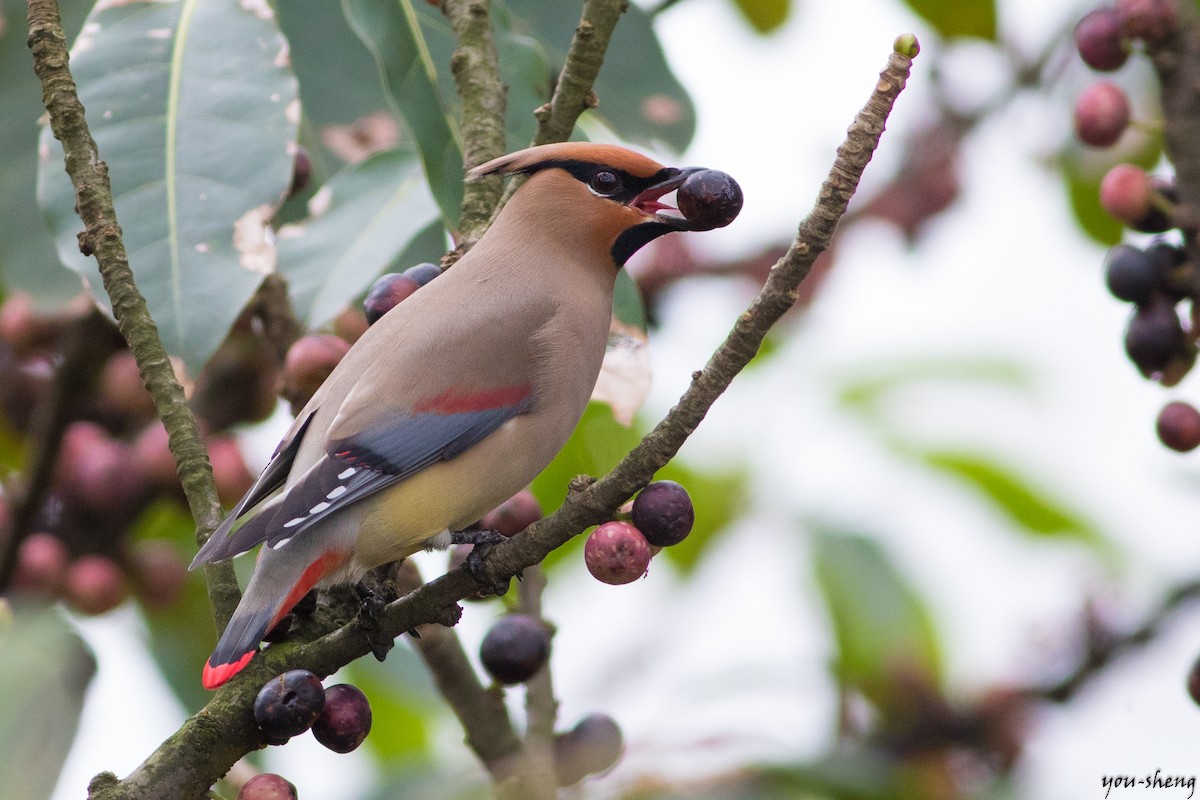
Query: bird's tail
{"points": [[266, 601]]}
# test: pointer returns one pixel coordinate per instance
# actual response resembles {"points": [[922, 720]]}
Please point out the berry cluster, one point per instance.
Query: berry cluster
{"points": [[112, 459], [1158, 277], [619, 551], [294, 702]]}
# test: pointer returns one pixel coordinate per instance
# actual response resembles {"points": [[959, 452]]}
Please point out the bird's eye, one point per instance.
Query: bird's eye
{"points": [[605, 182]]}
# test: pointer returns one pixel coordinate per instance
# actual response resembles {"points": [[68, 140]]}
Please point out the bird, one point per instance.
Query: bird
{"points": [[456, 398]]}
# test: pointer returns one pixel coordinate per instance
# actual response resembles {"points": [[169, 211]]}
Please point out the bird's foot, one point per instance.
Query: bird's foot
{"points": [[481, 542], [372, 604]]}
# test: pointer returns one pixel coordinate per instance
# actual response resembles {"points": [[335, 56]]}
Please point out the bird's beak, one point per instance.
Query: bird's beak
{"points": [[648, 201]]}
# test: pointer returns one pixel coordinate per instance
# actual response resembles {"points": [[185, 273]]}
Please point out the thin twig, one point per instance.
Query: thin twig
{"points": [[102, 236], [541, 707]]}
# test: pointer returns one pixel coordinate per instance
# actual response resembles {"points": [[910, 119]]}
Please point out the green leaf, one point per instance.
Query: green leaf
{"points": [[958, 17], [194, 109], [28, 261], [524, 69], [1022, 503], [181, 635], [1083, 168], [403, 703], [884, 634], [628, 307], [764, 16], [45, 669], [392, 32], [359, 223], [640, 98]]}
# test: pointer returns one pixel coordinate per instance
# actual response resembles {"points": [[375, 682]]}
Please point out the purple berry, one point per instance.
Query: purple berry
{"points": [[423, 273], [1100, 40], [513, 515], [663, 513], [385, 293], [709, 199], [1131, 274], [515, 648], [594, 745], [346, 719], [1154, 336], [616, 553], [267, 786], [1179, 426], [288, 704]]}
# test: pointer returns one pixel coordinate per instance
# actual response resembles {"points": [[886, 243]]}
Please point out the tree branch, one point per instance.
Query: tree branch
{"points": [[573, 93], [484, 96], [102, 236]]}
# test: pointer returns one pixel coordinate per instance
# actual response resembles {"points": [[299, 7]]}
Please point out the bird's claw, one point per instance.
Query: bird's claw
{"points": [[481, 542], [368, 612]]}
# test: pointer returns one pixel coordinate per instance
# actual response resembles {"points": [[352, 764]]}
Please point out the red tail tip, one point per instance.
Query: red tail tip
{"points": [[214, 676]]}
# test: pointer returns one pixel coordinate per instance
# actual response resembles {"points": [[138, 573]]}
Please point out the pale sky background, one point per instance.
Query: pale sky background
{"points": [[731, 666]]}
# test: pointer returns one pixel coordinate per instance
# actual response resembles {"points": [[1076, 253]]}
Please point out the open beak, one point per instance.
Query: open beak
{"points": [[648, 201]]}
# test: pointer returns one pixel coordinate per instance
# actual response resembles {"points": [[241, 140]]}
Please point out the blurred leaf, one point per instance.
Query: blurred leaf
{"points": [[764, 16], [392, 32], [402, 706], [1013, 494], [524, 69], [339, 79], [194, 109], [884, 634], [628, 307], [718, 497], [870, 388], [28, 261], [640, 98], [182, 635], [360, 222], [45, 669], [958, 17], [624, 380], [1083, 168], [1084, 195], [599, 443]]}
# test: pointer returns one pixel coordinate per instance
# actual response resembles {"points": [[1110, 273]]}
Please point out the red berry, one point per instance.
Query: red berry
{"points": [[267, 786], [513, 515], [96, 471], [159, 572], [288, 704], [345, 720], [1101, 114], [616, 553], [95, 584], [153, 456], [1179, 426], [709, 199], [232, 477], [663, 513], [1100, 41], [41, 564], [309, 361], [386, 292], [1125, 193], [515, 648]]}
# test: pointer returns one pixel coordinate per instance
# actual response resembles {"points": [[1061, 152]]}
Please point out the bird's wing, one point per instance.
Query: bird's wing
{"points": [[402, 414]]}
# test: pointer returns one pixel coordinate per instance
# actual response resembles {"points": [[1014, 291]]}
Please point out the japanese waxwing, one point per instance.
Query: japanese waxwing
{"points": [[456, 398]]}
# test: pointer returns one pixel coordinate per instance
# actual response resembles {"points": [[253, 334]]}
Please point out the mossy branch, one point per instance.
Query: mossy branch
{"points": [[102, 237]]}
